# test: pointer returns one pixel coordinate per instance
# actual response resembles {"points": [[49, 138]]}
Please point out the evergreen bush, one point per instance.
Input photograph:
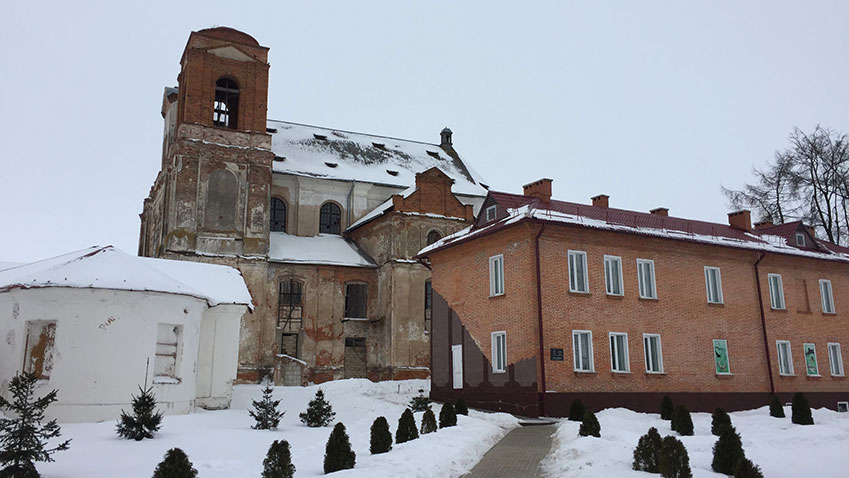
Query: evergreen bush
{"points": [[278, 461], [319, 412], [801, 410], [175, 465], [428, 422], [746, 469], [727, 450], [776, 409], [719, 417], [577, 410], [265, 411], [381, 437], [406, 428], [460, 407], [589, 425], [447, 416], [666, 408], [647, 453], [674, 461], [421, 402], [23, 440], [681, 421], [145, 420], [338, 454]]}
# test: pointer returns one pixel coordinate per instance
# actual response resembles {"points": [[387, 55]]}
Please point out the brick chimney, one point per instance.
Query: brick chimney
{"points": [[763, 224], [540, 188], [660, 211], [740, 220], [600, 201]]}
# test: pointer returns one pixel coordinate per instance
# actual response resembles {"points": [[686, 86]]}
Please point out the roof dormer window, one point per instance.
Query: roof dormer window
{"points": [[800, 239], [490, 213]]}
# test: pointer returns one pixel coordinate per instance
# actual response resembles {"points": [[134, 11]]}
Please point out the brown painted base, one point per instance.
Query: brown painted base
{"points": [[517, 403]]}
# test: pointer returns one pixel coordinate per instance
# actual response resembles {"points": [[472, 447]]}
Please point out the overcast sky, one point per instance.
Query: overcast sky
{"points": [[655, 103]]}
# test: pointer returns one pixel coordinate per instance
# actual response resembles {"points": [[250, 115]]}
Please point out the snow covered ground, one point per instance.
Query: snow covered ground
{"points": [[779, 447], [221, 444]]}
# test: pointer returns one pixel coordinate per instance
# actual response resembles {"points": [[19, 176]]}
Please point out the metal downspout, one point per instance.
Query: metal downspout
{"points": [[763, 324], [541, 394]]}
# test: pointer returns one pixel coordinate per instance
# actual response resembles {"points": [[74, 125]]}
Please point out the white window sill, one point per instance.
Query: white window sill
{"points": [[839, 376], [786, 374], [611, 294], [829, 313], [586, 292], [648, 298], [361, 319], [726, 374], [496, 295], [716, 303], [622, 372], [782, 309], [585, 371], [649, 372], [815, 375], [166, 380], [499, 371]]}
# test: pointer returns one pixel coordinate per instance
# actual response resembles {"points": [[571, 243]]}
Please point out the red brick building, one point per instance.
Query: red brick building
{"points": [[543, 301]]}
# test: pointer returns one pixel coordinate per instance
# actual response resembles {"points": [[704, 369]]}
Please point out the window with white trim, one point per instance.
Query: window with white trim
{"points": [[653, 352], [490, 213], [835, 360], [619, 352], [800, 239], [811, 366], [499, 352], [776, 291], [582, 345], [720, 357], [713, 282], [613, 275], [496, 275], [645, 277], [785, 360], [578, 272], [826, 296]]}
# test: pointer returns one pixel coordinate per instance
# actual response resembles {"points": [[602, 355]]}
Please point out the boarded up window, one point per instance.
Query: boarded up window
{"points": [[290, 304], [41, 337], [167, 345], [356, 298], [221, 191]]}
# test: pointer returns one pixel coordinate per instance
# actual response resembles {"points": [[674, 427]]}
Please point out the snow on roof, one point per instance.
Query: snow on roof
{"points": [[8, 265], [323, 249], [335, 154], [110, 268]]}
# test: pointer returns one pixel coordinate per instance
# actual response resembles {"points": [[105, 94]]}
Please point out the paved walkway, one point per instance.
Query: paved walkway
{"points": [[517, 455]]}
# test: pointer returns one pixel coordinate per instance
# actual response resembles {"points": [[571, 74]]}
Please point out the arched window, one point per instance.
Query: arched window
{"points": [[330, 220], [278, 215], [226, 106], [221, 192], [433, 236]]}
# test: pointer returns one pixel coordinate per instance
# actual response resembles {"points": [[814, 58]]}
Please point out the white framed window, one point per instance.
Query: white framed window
{"points": [[800, 239], [776, 291], [619, 352], [720, 357], [835, 360], [809, 351], [496, 275], [653, 352], [578, 272], [785, 360], [713, 282], [169, 338], [645, 278], [490, 213], [613, 275], [582, 345], [826, 296], [499, 352]]}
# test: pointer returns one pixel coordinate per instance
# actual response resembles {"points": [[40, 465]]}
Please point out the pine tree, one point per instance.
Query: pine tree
{"points": [[801, 410], [576, 410], [674, 460], [421, 402], [746, 469], [23, 440], [406, 428], [447, 416], [666, 408], [319, 412], [265, 411], [727, 450], [590, 426], [145, 420], [681, 421], [460, 407], [381, 437], [647, 453], [338, 454], [776, 409], [428, 422], [278, 461], [718, 418], [175, 465]]}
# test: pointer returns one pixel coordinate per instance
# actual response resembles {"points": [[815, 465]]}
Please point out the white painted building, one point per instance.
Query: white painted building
{"points": [[96, 324]]}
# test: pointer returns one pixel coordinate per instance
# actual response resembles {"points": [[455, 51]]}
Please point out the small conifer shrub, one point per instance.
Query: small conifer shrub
{"points": [[447, 416], [590, 426], [145, 420], [319, 412], [801, 410], [577, 410], [719, 417], [23, 440], [428, 422], [460, 407], [406, 428], [746, 469], [420, 402], [727, 450], [666, 408], [338, 454], [681, 421], [647, 453], [175, 465], [278, 461], [265, 411], [674, 460], [381, 437], [776, 409]]}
